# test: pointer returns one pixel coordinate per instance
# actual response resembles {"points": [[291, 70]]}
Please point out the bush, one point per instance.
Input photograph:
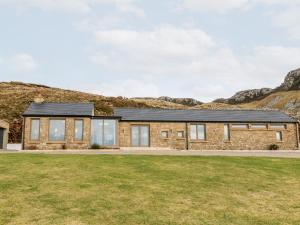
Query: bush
{"points": [[273, 147], [95, 146]]}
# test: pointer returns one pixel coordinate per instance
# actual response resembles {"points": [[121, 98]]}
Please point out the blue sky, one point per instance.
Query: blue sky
{"points": [[179, 48]]}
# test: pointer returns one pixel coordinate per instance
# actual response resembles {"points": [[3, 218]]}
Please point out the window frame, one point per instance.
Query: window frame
{"points": [[197, 135], [116, 140], [82, 129], [233, 126], [272, 126], [182, 132], [61, 119], [280, 136], [228, 133], [139, 135], [166, 132], [256, 126], [30, 134]]}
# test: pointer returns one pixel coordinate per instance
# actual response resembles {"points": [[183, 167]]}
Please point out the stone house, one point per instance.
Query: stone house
{"points": [[4, 127], [74, 126]]}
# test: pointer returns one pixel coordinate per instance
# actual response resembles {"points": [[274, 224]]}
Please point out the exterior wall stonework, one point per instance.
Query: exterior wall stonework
{"points": [[5, 126], [69, 143], [240, 139]]}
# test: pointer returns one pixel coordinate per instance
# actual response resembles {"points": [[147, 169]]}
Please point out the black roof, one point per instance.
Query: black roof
{"points": [[60, 109], [196, 115]]}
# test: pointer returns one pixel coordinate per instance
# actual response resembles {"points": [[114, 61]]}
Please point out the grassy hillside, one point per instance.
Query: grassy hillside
{"points": [[288, 101]]}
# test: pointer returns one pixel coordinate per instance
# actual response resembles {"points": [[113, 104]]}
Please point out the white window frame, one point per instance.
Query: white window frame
{"points": [[39, 129], [227, 127], [164, 132], [280, 136], [242, 126], [49, 126], [197, 134]]}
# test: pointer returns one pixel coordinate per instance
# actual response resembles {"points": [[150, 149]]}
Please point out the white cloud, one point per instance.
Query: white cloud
{"points": [[129, 88], [23, 61], [289, 19], [78, 6], [212, 5], [223, 6], [205, 67], [158, 51]]}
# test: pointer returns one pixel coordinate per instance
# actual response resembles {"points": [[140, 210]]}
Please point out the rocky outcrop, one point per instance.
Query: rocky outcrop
{"points": [[246, 96], [291, 82], [182, 101]]}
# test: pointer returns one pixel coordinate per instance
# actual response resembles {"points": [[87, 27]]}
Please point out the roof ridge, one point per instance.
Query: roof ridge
{"points": [[166, 109]]}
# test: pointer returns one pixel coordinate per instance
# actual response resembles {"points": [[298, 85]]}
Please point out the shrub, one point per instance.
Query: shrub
{"points": [[95, 146], [273, 147]]}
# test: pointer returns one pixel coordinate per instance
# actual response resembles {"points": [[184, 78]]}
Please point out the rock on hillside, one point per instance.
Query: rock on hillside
{"points": [[178, 101], [291, 82], [246, 96], [182, 101]]}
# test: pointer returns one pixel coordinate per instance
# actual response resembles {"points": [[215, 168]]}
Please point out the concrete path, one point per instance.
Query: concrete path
{"points": [[240, 153]]}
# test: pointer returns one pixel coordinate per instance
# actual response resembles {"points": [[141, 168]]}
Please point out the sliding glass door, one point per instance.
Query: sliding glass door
{"points": [[140, 136]]}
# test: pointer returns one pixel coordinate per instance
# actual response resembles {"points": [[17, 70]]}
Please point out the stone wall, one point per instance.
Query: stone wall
{"points": [[69, 143], [240, 139], [4, 125]]}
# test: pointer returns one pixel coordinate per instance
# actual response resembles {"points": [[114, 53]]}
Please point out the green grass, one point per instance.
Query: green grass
{"points": [[99, 189]]}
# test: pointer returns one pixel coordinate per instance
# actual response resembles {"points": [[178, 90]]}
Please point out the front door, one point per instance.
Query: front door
{"points": [[140, 136], [1, 137]]}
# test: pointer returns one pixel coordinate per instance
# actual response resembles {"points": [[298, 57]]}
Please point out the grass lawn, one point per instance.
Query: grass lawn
{"points": [[103, 189]]}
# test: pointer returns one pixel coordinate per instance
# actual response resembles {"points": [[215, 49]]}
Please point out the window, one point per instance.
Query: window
{"points": [[57, 130], [180, 134], [240, 126], [78, 130], [164, 134], [278, 136], [277, 126], [226, 132], [103, 132], [35, 130], [259, 126], [198, 132]]}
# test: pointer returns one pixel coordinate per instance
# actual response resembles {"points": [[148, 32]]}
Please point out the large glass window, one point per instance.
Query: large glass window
{"points": [[78, 130], [197, 132], [35, 130], [57, 130], [103, 132], [226, 132]]}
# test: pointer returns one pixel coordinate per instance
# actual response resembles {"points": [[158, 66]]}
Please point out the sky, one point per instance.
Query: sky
{"points": [[133, 48]]}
